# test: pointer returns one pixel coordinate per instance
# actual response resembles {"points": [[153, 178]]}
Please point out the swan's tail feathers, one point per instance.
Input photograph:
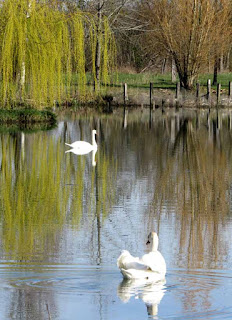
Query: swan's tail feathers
{"points": [[127, 261], [122, 259], [68, 144], [70, 150], [126, 274]]}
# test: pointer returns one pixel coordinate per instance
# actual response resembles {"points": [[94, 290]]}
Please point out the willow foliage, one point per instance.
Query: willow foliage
{"points": [[108, 52], [108, 47], [41, 47]]}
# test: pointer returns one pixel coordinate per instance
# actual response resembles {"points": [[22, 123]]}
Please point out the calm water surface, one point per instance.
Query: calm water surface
{"points": [[64, 218]]}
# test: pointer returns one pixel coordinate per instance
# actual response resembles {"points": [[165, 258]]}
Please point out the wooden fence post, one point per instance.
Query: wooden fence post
{"points": [[198, 91], [151, 97], [209, 90], [230, 89], [125, 95], [178, 90]]}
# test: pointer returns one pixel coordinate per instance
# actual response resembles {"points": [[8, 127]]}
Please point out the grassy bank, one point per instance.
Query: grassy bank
{"points": [[26, 119], [163, 81], [26, 116], [142, 80], [112, 93]]}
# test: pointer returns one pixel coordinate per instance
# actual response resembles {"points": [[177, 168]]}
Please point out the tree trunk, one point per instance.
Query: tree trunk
{"points": [[163, 66], [98, 46], [186, 80], [23, 67], [215, 71], [185, 77], [221, 63], [228, 60], [22, 80], [173, 71]]}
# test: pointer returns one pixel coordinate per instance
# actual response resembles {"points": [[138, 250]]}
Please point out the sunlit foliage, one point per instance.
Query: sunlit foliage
{"points": [[44, 190], [41, 47]]}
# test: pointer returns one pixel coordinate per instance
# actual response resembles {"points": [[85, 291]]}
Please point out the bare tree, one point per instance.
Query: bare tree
{"points": [[189, 31]]}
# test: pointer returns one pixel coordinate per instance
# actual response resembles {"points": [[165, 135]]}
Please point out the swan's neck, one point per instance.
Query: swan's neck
{"points": [[155, 243], [93, 139]]}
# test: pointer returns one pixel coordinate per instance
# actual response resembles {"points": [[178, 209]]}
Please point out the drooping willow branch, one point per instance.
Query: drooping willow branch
{"points": [[42, 47]]}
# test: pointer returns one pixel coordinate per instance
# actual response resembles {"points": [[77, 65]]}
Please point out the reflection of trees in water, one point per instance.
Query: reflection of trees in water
{"points": [[193, 179], [28, 303], [192, 182], [31, 214], [42, 190], [197, 288], [190, 174], [186, 161]]}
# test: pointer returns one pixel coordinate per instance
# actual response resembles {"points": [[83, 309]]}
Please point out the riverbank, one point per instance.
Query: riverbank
{"points": [[165, 93], [26, 119], [114, 98]]}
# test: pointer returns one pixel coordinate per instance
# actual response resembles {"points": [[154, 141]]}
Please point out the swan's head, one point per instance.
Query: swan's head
{"points": [[153, 240], [94, 132]]}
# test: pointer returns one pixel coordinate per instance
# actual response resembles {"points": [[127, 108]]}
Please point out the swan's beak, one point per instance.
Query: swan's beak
{"points": [[148, 242]]}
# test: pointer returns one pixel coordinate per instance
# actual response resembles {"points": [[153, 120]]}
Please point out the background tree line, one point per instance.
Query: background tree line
{"points": [[41, 41], [188, 37]]}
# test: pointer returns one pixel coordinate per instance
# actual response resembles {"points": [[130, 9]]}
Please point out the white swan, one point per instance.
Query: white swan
{"points": [[151, 266], [83, 147]]}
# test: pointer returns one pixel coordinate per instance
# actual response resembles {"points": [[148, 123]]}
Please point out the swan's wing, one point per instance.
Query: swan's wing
{"points": [[155, 262], [82, 145], [146, 275], [127, 261], [136, 265]]}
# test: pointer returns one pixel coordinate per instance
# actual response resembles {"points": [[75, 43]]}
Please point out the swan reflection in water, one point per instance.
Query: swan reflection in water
{"points": [[76, 151], [151, 293]]}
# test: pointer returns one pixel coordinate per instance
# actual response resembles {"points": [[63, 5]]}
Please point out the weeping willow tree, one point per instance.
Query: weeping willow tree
{"points": [[41, 47], [103, 54]]}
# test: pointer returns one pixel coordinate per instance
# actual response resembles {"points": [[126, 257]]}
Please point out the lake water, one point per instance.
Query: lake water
{"points": [[64, 218]]}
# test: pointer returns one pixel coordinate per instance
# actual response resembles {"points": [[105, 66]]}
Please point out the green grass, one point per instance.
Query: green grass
{"points": [[160, 81], [223, 78], [142, 80], [26, 116], [163, 81]]}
